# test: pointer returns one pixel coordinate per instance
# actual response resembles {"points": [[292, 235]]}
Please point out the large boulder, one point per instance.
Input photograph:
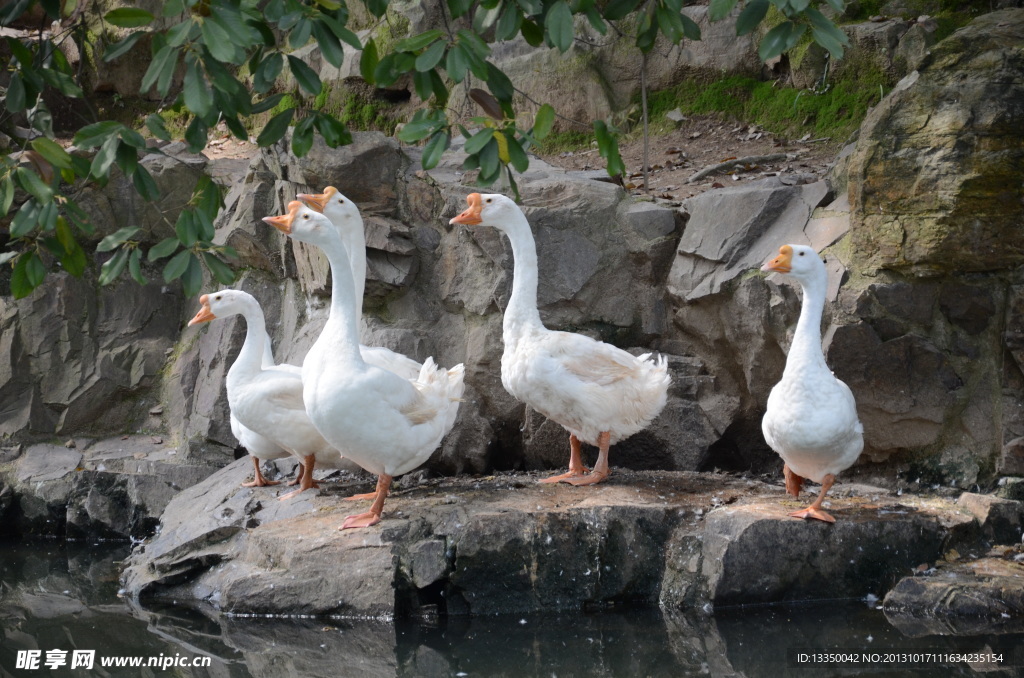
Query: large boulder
{"points": [[935, 180]]}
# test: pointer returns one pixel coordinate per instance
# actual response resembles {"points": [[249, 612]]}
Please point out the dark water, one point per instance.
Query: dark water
{"points": [[63, 596]]}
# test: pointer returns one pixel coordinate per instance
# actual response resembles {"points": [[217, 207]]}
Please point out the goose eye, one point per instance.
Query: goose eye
{"points": [[489, 200], [217, 297], [341, 201], [305, 216], [801, 254]]}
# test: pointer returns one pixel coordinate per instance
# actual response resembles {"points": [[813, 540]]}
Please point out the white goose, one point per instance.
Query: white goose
{"points": [[258, 447], [387, 424], [600, 393], [268, 402], [811, 420]]}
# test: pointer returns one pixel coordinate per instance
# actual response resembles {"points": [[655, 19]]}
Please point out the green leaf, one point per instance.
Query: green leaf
{"points": [[192, 281], [127, 158], [110, 271], [302, 137], [145, 184], [73, 260], [299, 36], [431, 56], [418, 42], [217, 40], [344, 34], [543, 121], [31, 182], [187, 228], [173, 8], [838, 5], [775, 41], [275, 128], [435, 148], [132, 138], [368, 61], [798, 5], [64, 235], [532, 33], [135, 267], [10, 11], [332, 130], [198, 95], [20, 286], [35, 271], [305, 76], [619, 9], [608, 147], [377, 7], [17, 99], [720, 9], [416, 130], [128, 17], [177, 265], [517, 156], [122, 47], [751, 16], [266, 73], [459, 7], [268, 103], [25, 219], [7, 196], [47, 219], [490, 163], [476, 143], [558, 25], [95, 134], [509, 22], [205, 224], [826, 33], [423, 85], [221, 271], [157, 126], [457, 63], [163, 249], [690, 28], [329, 44], [196, 135], [499, 84], [474, 43], [115, 239], [166, 58]]}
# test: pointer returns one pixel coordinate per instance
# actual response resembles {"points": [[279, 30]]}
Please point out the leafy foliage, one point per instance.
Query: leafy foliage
{"points": [[220, 60]]}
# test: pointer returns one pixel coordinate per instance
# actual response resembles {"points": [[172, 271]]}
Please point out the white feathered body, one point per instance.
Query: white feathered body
{"points": [[584, 385], [811, 422]]}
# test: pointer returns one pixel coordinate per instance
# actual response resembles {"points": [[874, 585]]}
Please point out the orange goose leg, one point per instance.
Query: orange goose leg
{"points": [[814, 510], [305, 479], [371, 517], [259, 480], [793, 481], [576, 467], [298, 476], [600, 471]]}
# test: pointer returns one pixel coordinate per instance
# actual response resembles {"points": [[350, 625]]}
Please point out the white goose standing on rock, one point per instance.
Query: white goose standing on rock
{"points": [[811, 419], [599, 393], [267, 401], [386, 424]]}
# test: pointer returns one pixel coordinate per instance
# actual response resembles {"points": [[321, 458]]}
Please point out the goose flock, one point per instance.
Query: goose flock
{"points": [[388, 413]]}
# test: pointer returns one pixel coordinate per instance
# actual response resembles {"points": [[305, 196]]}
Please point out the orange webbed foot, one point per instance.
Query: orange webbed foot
{"points": [[592, 478], [815, 513], [261, 482], [361, 497], [565, 477], [360, 520]]}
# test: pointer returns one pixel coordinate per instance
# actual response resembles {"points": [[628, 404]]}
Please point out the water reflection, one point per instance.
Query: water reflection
{"points": [[63, 596]]}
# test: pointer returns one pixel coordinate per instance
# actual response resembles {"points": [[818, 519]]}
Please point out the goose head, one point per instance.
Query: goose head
{"points": [[221, 304], [798, 261], [333, 205], [489, 209], [306, 225]]}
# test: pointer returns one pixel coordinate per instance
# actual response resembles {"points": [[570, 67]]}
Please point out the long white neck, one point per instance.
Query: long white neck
{"points": [[340, 336], [355, 243], [521, 313], [251, 358], [805, 353]]}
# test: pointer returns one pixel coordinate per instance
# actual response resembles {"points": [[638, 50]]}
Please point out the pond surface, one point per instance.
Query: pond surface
{"points": [[63, 596]]}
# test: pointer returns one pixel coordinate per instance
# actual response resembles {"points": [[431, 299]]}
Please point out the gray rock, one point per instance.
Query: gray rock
{"points": [[1001, 520], [967, 605], [1011, 461]]}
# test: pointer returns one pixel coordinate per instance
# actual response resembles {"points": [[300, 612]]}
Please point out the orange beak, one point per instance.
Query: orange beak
{"points": [[471, 216], [782, 263], [317, 201], [283, 223], [205, 315]]}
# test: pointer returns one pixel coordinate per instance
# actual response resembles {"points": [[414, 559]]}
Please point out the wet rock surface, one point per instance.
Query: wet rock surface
{"points": [[113, 488], [505, 544]]}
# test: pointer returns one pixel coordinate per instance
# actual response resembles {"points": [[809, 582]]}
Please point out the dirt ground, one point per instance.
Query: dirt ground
{"points": [[703, 141]]}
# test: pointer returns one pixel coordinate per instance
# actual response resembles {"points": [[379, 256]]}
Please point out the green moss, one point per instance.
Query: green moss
{"points": [[176, 120], [365, 112], [286, 102], [783, 110], [559, 142]]}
